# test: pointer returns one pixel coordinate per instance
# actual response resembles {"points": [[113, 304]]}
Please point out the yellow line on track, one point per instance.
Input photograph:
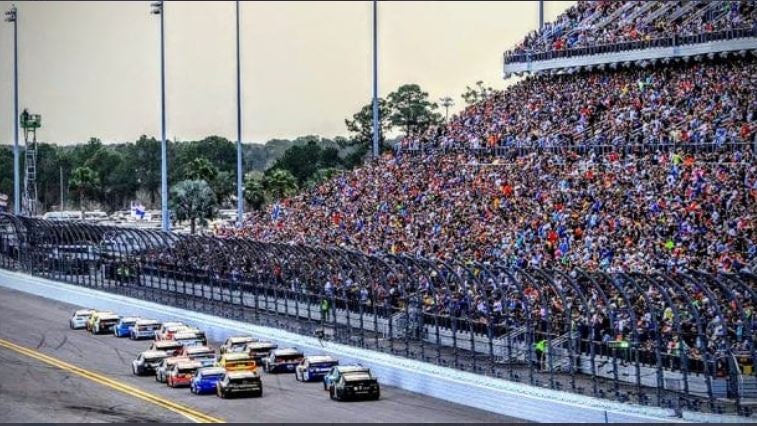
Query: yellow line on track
{"points": [[188, 412]]}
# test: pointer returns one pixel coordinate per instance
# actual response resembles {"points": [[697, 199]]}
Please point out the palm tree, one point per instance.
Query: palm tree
{"points": [[254, 193], [280, 184], [85, 182], [193, 200]]}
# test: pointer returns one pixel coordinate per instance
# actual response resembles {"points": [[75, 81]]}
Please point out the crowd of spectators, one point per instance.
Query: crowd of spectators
{"points": [[607, 22], [711, 102]]}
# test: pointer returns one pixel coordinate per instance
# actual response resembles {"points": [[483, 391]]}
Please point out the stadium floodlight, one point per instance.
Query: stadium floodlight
{"points": [[375, 102], [158, 9], [446, 103], [12, 16], [240, 189]]}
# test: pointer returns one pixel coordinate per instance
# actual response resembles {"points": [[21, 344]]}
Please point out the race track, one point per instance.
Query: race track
{"points": [[33, 390]]}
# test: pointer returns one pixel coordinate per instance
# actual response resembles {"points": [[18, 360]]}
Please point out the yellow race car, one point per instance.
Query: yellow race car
{"points": [[93, 319], [235, 361]]}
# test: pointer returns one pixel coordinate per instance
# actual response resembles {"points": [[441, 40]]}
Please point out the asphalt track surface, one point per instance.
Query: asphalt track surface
{"points": [[32, 389]]}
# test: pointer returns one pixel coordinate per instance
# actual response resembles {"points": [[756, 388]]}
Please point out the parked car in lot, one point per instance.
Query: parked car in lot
{"points": [[355, 386], [147, 362], [260, 350], [283, 360], [205, 355], [336, 372], [144, 329], [79, 319], [236, 344], [166, 365], [314, 367], [181, 373], [239, 383], [206, 379], [169, 346], [231, 361], [105, 323], [123, 327]]}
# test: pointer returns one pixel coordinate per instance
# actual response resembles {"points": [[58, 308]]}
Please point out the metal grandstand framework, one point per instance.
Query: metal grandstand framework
{"points": [[659, 339]]}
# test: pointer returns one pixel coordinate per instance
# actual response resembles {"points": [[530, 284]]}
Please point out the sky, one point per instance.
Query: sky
{"points": [[92, 69]]}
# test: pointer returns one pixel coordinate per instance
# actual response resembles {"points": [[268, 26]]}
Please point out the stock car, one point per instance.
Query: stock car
{"points": [[187, 338], [355, 386], [205, 380], [144, 329], [205, 355], [166, 365], [123, 328], [236, 383], [168, 329], [169, 346], [231, 361], [91, 320], [282, 360], [147, 362], [105, 323], [337, 371], [260, 350], [181, 373], [314, 367], [236, 344], [79, 319]]}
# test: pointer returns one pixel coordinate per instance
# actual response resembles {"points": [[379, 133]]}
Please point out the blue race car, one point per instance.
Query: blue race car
{"points": [[314, 368], [204, 381], [124, 326]]}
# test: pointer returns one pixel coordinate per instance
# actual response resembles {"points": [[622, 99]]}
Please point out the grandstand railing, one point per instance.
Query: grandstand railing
{"points": [[527, 339], [418, 149], [673, 40]]}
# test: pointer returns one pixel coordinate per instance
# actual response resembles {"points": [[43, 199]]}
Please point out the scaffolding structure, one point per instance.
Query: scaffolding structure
{"points": [[30, 123]]}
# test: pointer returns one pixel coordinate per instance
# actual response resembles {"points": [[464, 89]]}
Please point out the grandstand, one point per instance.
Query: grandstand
{"points": [[591, 231]]}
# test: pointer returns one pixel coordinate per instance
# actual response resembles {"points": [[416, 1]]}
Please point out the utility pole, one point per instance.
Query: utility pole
{"points": [[61, 188], [541, 14], [375, 83], [12, 16], [240, 193], [158, 9]]}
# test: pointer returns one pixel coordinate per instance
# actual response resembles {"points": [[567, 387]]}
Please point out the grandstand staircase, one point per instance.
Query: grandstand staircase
{"points": [[645, 7], [614, 15], [650, 18], [684, 9]]}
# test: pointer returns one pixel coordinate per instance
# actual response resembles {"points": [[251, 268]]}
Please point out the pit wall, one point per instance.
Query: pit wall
{"points": [[486, 393]]}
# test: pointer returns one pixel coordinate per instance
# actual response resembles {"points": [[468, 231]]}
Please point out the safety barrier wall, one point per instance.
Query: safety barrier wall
{"points": [[487, 393]]}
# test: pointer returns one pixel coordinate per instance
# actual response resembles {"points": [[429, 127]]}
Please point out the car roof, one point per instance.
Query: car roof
{"points": [[321, 358], [242, 339], [129, 319], [287, 351], [108, 316], [175, 359], [188, 364], [241, 374], [198, 349], [351, 368], [212, 370], [147, 322], [171, 324], [357, 376], [167, 344], [98, 313], [84, 311], [153, 354], [236, 356], [264, 344], [185, 335]]}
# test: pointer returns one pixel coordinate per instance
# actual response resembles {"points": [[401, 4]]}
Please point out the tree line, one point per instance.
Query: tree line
{"points": [[203, 172]]}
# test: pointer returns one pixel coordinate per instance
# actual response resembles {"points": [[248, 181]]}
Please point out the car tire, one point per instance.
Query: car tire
{"points": [[192, 390], [135, 370], [378, 395], [71, 325], [258, 394], [331, 394], [324, 386]]}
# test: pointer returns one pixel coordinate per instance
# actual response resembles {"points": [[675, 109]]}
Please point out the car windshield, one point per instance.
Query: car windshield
{"points": [[322, 364], [361, 382], [245, 381], [203, 354], [284, 358], [212, 376], [187, 369], [154, 358]]}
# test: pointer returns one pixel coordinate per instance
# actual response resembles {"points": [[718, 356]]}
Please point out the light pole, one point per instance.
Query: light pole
{"points": [[541, 14], [157, 9], [375, 83], [12, 16], [240, 198], [446, 103]]}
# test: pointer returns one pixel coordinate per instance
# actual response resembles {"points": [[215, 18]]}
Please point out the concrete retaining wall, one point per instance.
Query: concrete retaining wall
{"points": [[495, 395]]}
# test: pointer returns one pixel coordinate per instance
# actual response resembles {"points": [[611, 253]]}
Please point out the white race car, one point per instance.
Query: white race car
{"points": [[79, 319]]}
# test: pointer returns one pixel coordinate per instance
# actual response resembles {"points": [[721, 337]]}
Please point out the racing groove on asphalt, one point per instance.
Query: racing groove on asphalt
{"points": [[33, 391]]}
